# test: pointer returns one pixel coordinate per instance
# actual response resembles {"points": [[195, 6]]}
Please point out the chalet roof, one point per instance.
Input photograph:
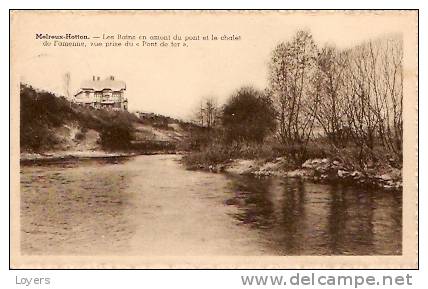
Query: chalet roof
{"points": [[107, 83]]}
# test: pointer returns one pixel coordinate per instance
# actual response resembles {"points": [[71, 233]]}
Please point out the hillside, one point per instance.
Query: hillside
{"points": [[51, 124]]}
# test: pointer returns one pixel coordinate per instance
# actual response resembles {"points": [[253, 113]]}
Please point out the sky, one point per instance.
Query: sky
{"points": [[172, 81]]}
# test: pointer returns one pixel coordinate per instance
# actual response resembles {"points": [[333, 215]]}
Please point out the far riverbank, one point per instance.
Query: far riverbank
{"points": [[28, 158]]}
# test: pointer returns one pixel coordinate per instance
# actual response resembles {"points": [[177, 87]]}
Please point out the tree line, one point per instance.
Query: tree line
{"points": [[349, 97]]}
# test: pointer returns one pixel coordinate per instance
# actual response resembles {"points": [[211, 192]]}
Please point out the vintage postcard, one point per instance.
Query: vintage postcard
{"points": [[214, 139]]}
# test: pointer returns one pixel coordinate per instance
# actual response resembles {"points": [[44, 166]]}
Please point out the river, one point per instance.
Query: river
{"points": [[151, 205]]}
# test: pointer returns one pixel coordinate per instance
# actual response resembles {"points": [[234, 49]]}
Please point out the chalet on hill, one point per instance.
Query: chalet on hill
{"points": [[108, 93]]}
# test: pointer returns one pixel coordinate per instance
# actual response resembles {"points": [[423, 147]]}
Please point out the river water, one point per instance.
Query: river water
{"points": [[151, 205]]}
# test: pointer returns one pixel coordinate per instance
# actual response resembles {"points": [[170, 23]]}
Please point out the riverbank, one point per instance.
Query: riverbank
{"points": [[319, 170], [28, 158]]}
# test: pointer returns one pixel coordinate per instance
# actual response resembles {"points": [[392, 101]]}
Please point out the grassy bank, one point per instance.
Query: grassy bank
{"points": [[53, 126], [49, 122], [318, 161]]}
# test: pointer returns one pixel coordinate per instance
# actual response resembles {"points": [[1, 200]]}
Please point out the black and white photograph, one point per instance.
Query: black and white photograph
{"points": [[201, 139]]}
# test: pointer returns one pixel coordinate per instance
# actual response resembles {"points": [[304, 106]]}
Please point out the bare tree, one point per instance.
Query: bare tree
{"points": [[292, 69], [388, 54], [355, 94], [328, 104], [358, 89], [207, 114], [374, 94], [211, 112], [200, 114]]}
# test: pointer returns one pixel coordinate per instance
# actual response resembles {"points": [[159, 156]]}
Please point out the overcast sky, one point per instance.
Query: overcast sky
{"points": [[172, 81]]}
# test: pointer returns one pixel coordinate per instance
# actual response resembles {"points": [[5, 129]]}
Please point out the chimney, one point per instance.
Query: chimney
{"points": [[98, 78], [111, 77], [93, 77]]}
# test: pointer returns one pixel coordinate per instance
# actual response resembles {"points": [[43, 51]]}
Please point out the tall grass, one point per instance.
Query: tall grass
{"points": [[218, 152], [211, 149]]}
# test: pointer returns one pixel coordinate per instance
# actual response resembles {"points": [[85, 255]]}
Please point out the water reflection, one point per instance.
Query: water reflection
{"points": [[74, 203], [303, 218], [151, 205]]}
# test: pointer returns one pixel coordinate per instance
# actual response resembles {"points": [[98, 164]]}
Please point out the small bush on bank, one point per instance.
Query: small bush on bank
{"points": [[200, 137], [209, 155], [80, 136], [116, 137]]}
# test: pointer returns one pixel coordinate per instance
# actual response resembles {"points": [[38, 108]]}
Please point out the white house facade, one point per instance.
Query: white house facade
{"points": [[108, 93]]}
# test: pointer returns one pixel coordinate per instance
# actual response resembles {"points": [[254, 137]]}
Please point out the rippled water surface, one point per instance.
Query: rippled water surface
{"points": [[151, 205]]}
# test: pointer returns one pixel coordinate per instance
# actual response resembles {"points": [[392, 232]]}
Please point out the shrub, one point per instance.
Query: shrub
{"points": [[117, 134], [210, 155], [248, 116], [218, 152], [79, 136]]}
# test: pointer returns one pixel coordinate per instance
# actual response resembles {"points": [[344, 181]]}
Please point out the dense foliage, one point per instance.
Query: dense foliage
{"points": [[248, 116]]}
